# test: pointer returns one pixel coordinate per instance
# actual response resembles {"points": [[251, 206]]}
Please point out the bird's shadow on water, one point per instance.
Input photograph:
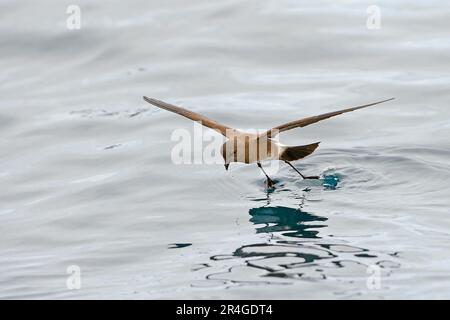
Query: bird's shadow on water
{"points": [[295, 250]]}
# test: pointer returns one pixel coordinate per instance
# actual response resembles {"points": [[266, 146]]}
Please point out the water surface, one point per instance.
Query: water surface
{"points": [[86, 172]]}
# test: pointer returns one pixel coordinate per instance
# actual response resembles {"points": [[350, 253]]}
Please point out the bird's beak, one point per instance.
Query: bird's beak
{"points": [[226, 166]]}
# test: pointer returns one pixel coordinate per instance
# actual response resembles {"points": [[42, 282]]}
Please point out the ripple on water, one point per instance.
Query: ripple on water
{"points": [[295, 250], [297, 246], [179, 245]]}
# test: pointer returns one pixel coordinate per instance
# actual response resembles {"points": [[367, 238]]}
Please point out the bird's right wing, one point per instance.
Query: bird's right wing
{"points": [[191, 115], [310, 120]]}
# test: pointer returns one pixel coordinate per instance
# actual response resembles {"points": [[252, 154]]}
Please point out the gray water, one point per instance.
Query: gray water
{"points": [[87, 179]]}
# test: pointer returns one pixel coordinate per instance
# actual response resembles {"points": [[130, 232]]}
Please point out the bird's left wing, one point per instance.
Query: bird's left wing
{"points": [[191, 115]]}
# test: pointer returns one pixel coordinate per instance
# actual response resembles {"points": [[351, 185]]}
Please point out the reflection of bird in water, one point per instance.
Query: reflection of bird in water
{"points": [[253, 148], [310, 257], [289, 221]]}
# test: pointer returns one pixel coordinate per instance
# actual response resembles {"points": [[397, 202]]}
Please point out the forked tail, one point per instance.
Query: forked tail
{"points": [[298, 152]]}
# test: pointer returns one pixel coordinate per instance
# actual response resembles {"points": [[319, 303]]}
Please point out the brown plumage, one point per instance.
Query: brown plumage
{"points": [[250, 148]]}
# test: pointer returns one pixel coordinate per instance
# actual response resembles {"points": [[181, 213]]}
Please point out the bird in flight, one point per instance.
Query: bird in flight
{"points": [[253, 148]]}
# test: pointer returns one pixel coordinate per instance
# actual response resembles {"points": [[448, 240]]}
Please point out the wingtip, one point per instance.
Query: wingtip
{"points": [[149, 100], [382, 101]]}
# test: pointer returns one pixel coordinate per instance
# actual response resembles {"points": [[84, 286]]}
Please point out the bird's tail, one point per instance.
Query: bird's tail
{"points": [[298, 152]]}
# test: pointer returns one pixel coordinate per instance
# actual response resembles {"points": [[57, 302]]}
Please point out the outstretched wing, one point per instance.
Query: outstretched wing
{"points": [[190, 115], [310, 120]]}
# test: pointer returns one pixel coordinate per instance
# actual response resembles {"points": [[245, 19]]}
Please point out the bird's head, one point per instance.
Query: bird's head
{"points": [[228, 152]]}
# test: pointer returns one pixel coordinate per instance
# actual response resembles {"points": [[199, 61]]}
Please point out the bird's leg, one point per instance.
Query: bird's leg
{"points": [[270, 182], [312, 177]]}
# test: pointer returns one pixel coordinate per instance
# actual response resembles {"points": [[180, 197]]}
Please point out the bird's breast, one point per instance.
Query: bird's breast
{"points": [[254, 150]]}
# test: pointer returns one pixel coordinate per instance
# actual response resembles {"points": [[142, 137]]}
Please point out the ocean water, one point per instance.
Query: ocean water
{"points": [[92, 205]]}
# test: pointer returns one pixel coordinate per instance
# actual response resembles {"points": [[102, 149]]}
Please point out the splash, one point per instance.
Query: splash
{"points": [[331, 181]]}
